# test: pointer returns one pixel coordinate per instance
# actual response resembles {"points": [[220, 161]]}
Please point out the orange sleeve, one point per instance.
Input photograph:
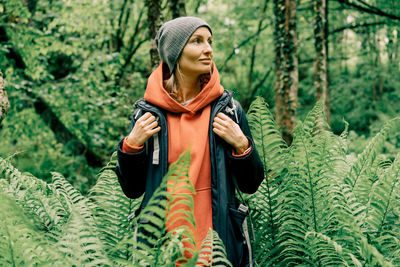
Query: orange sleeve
{"points": [[127, 148], [247, 151]]}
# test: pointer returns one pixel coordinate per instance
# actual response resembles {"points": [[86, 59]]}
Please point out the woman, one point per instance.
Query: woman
{"points": [[185, 105]]}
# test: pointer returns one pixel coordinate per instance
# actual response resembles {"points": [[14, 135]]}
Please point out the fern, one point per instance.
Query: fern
{"points": [[35, 196], [20, 243], [315, 207], [95, 231], [384, 193], [312, 198], [327, 252], [212, 252], [79, 241], [111, 211], [381, 221], [151, 232], [367, 157], [265, 202], [180, 203]]}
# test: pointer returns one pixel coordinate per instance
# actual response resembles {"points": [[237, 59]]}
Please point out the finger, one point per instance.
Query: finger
{"points": [[155, 130], [223, 116], [221, 121], [218, 132], [150, 119], [218, 126], [145, 116], [151, 125]]}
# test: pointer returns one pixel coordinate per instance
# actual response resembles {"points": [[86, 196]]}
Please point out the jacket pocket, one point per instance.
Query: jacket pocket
{"points": [[236, 240]]}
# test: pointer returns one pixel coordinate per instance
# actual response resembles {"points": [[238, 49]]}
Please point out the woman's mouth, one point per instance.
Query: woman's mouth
{"points": [[205, 60]]}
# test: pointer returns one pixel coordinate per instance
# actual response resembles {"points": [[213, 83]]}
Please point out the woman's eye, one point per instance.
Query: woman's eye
{"points": [[210, 42], [197, 40]]}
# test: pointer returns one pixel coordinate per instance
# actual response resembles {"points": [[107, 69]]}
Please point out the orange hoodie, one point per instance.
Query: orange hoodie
{"points": [[188, 126]]}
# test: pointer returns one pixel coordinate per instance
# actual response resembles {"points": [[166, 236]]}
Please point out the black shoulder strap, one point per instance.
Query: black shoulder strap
{"points": [[248, 206]]}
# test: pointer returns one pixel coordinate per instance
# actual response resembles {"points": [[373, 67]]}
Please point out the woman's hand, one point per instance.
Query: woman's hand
{"points": [[230, 131], [144, 128]]}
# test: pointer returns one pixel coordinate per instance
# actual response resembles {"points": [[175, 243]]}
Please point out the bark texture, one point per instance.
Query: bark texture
{"points": [[177, 8], [4, 104], [155, 20], [286, 66], [321, 78]]}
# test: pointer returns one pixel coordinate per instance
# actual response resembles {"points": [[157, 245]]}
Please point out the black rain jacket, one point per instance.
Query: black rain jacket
{"points": [[140, 173]]}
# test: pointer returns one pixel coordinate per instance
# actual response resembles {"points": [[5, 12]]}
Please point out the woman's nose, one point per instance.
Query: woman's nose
{"points": [[208, 49]]}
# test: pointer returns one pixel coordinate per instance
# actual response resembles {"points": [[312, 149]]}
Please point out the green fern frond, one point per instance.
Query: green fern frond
{"points": [[367, 157], [389, 245], [299, 211], [267, 137], [47, 211], [111, 211], [72, 196], [212, 251], [151, 221], [8, 171], [20, 243], [79, 241], [312, 200], [315, 120], [20, 183], [383, 197], [371, 255], [35, 196], [66, 189], [327, 252], [265, 202]]}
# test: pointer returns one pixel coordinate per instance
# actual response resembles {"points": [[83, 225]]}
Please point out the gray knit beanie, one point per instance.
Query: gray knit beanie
{"points": [[173, 35]]}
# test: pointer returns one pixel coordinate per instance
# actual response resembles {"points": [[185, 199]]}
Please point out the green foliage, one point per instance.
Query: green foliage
{"points": [[265, 206], [53, 223], [317, 206], [31, 146], [327, 200], [89, 61]]}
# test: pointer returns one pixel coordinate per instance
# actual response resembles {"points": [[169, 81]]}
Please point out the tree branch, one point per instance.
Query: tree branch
{"points": [[355, 26], [119, 36], [349, 27], [131, 49], [61, 132], [371, 10], [257, 86], [248, 39]]}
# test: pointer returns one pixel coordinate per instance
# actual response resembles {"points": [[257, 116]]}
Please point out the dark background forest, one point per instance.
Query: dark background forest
{"points": [[73, 69]]}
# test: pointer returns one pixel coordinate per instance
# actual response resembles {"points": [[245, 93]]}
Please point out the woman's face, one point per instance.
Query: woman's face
{"points": [[197, 54]]}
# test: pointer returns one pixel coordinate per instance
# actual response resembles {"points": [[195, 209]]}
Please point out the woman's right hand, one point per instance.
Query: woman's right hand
{"points": [[144, 128]]}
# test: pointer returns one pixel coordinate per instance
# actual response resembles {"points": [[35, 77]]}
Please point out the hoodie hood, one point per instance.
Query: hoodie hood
{"points": [[157, 95]]}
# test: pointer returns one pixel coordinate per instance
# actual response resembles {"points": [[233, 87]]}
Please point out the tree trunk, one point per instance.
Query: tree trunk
{"points": [[177, 8], [376, 64], [286, 66], [321, 59], [4, 104], [246, 100], [154, 16], [62, 133]]}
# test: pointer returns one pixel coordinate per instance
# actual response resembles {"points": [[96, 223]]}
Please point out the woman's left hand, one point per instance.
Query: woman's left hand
{"points": [[230, 131]]}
